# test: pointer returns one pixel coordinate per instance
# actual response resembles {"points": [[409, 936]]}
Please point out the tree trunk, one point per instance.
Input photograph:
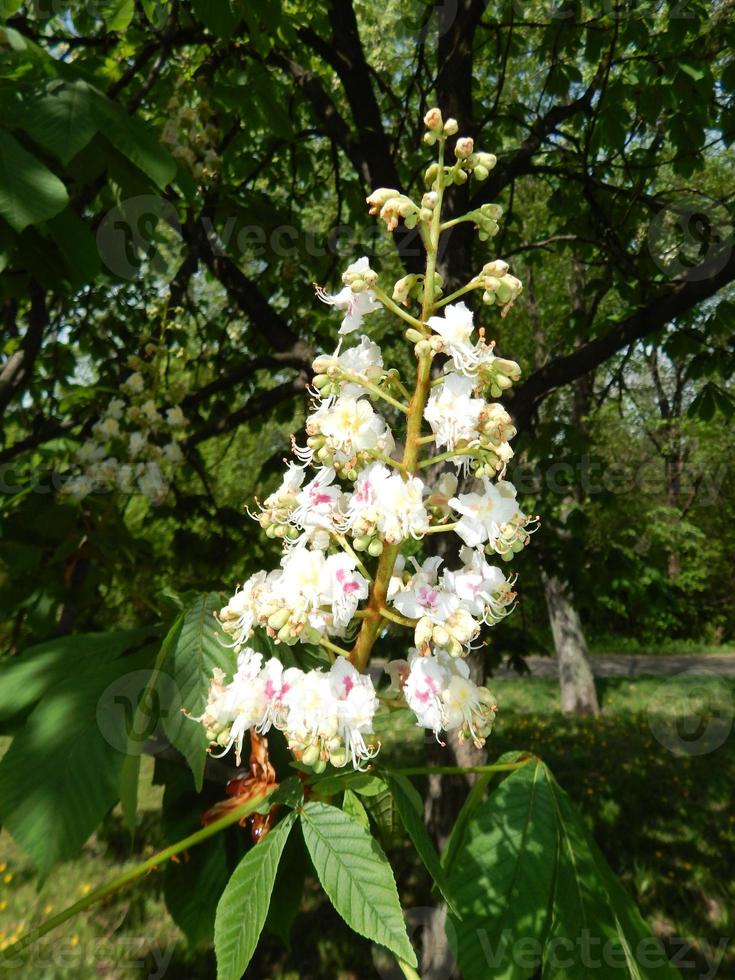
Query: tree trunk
{"points": [[578, 694], [444, 797]]}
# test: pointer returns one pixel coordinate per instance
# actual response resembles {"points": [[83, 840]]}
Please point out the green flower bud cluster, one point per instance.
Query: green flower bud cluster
{"points": [[317, 751], [486, 219], [452, 635], [360, 281], [411, 287], [513, 538], [437, 128], [499, 374], [391, 206], [370, 543], [284, 625]]}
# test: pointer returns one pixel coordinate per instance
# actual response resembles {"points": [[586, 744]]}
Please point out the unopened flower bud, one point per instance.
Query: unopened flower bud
{"points": [[310, 755], [279, 619], [463, 147], [375, 548], [450, 127], [338, 757], [486, 160], [413, 335], [431, 174], [433, 120], [378, 198], [495, 268]]}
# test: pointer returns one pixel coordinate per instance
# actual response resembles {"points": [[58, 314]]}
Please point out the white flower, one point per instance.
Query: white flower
{"points": [[175, 418], [439, 691], [364, 360], [107, 428], [318, 503], [150, 413], [423, 689], [89, 452], [402, 512], [351, 425], [136, 443], [151, 482], [173, 453], [454, 414], [134, 384], [356, 707], [486, 517], [356, 305], [482, 589], [423, 596], [455, 328], [115, 409], [366, 500], [342, 587], [78, 487], [240, 613]]}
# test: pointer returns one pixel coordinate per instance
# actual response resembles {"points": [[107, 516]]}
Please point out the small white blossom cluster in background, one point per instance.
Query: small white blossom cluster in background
{"points": [[134, 445], [326, 716], [356, 494], [192, 137]]}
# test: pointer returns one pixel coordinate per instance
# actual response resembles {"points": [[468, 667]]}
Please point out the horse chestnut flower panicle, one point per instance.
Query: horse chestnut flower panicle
{"points": [[380, 471]]}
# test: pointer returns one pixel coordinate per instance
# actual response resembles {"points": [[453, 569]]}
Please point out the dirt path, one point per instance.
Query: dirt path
{"points": [[637, 665]]}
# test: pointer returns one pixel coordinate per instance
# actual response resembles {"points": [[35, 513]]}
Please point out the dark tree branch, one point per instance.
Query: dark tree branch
{"points": [[266, 321], [662, 309], [256, 406], [17, 370]]}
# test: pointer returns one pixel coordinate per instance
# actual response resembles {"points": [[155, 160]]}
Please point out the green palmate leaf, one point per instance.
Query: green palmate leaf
{"points": [[29, 191], [470, 805], [289, 888], [502, 879], [355, 874], [62, 121], [133, 139], [411, 810], [243, 907], [595, 926], [382, 808], [220, 18], [117, 14], [60, 775], [351, 804], [196, 648], [76, 243], [27, 677]]}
